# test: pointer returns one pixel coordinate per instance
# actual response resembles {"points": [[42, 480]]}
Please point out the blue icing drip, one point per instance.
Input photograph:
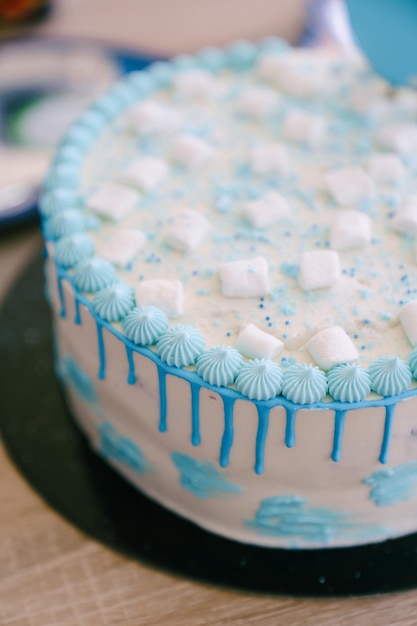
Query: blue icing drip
{"points": [[348, 382], [339, 425], [122, 449], [66, 223], [393, 485], [259, 379], [263, 423], [79, 380], [290, 427], [202, 478], [162, 400], [131, 377], [304, 384], [114, 302], [219, 365], [389, 419], [145, 325], [61, 296], [228, 433], [77, 318], [72, 249], [195, 414], [389, 375], [93, 274], [289, 269], [412, 361], [101, 352], [181, 345]]}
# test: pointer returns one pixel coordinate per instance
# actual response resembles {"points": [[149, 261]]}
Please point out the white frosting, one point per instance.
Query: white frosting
{"points": [[332, 346], [386, 168], [349, 185], [146, 172], [257, 344], [245, 279], [408, 319], [121, 245], [186, 230], [304, 127], [318, 268], [269, 159], [168, 295], [350, 229], [191, 151], [270, 208], [113, 201], [293, 73], [194, 83], [153, 117], [400, 137], [405, 220], [257, 101]]}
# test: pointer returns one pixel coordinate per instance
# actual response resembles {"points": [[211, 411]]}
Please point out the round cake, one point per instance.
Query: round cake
{"points": [[231, 264]]}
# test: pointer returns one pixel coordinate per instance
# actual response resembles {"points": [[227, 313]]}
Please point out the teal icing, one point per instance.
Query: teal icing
{"points": [[289, 269], [62, 175], [145, 325], [93, 274], [304, 384], [94, 120], [389, 375], [213, 59], [259, 379], [202, 478], [80, 136], [122, 449], [393, 485], [412, 361], [348, 382], [68, 154], [57, 200], [274, 44], [77, 378], [181, 345], [219, 365], [66, 223], [142, 82], [73, 249], [241, 55], [115, 301], [162, 73], [184, 62]]}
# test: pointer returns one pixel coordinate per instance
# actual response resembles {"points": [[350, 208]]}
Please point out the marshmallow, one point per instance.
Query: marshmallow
{"points": [[194, 83], [266, 210], [245, 279], [303, 127], [401, 138], [406, 219], [191, 151], [152, 117], [350, 229], [113, 201], [187, 230], [257, 101], [318, 268], [166, 294], [349, 185], [269, 159], [332, 346], [408, 319], [257, 344], [386, 168], [122, 246], [145, 172], [293, 73]]}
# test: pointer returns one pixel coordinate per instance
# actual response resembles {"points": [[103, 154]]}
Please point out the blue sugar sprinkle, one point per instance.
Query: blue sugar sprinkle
{"points": [[216, 323], [285, 336], [228, 334], [355, 336], [289, 269], [287, 322]]}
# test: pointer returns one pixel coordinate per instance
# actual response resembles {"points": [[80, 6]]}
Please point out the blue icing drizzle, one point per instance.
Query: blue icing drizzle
{"points": [[145, 325], [181, 345], [219, 365], [202, 478], [57, 200], [93, 274], [66, 223], [304, 384], [412, 361], [393, 485], [114, 302], [348, 382], [78, 379], [259, 379], [72, 249], [389, 375], [122, 449]]}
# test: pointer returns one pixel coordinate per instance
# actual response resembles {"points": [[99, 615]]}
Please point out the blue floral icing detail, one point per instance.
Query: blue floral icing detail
{"points": [[212, 59], [80, 136], [114, 301], [70, 250], [72, 372], [348, 382], [66, 223], [93, 274], [181, 345], [259, 379], [57, 200], [142, 82], [304, 384], [68, 155], [162, 73], [62, 175], [389, 375], [393, 485], [412, 361], [241, 55], [122, 449], [274, 44], [202, 478], [219, 365], [184, 62], [94, 120], [145, 325]]}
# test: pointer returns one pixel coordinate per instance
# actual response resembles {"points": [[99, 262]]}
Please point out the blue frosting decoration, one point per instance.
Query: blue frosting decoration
{"points": [[70, 250], [66, 223], [389, 420], [73, 373], [219, 365], [228, 432], [412, 361], [202, 478], [339, 426], [91, 275], [289, 269], [62, 175], [389, 375], [68, 155], [393, 485], [241, 55], [57, 200], [181, 345], [213, 59], [304, 384], [259, 379], [122, 449], [114, 301], [162, 73], [145, 325], [348, 382]]}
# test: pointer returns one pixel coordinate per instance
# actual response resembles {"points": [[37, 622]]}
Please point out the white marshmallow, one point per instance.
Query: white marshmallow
{"points": [[270, 208], [399, 137], [191, 151], [318, 268], [330, 347], [408, 319], [406, 219], [386, 168], [293, 73], [145, 172], [350, 229], [168, 295], [122, 246], [269, 159], [257, 344], [186, 230], [194, 83], [113, 201], [257, 101], [245, 279], [152, 117], [303, 127], [349, 185]]}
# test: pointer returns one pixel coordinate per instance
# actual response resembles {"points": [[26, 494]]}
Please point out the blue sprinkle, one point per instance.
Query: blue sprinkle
{"points": [[228, 334], [290, 269]]}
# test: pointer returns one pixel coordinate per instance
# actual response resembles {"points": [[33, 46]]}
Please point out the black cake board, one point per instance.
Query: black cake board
{"points": [[55, 458]]}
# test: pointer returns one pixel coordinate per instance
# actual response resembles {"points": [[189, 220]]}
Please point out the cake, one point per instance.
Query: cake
{"points": [[231, 265]]}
